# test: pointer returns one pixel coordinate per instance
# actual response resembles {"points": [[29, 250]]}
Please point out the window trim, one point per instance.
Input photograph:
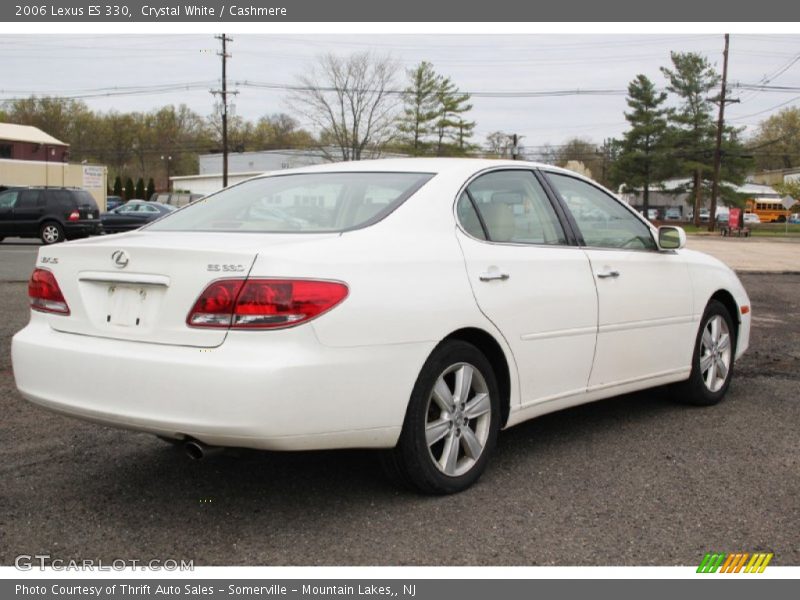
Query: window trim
{"points": [[547, 172], [567, 229]]}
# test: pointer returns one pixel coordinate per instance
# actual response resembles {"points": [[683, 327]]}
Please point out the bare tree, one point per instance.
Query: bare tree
{"points": [[499, 144], [352, 101]]}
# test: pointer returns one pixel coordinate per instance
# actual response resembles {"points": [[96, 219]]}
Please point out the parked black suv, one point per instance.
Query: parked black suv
{"points": [[49, 213]]}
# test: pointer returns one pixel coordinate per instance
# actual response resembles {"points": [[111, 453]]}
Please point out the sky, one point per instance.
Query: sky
{"points": [[108, 72]]}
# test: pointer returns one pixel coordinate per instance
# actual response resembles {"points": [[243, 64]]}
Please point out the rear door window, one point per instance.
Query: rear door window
{"points": [[511, 207], [28, 199]]}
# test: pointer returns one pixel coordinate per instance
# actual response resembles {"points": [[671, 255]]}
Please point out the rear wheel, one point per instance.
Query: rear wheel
{"points": [[712, 363], [452, 422], [51, 233]]}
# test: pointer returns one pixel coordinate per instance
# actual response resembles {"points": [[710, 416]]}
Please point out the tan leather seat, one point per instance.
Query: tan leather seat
{"points": [[499, 220]]}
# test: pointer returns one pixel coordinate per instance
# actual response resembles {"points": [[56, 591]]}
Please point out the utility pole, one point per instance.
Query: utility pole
{"points": [[514, 147], [712, 217], [224, 94]]}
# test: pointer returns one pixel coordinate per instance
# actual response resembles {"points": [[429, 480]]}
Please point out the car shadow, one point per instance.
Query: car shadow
{"points": [[248, 478]]}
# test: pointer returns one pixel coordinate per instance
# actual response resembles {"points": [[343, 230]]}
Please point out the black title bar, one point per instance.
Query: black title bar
{"points": [[227, 11]]}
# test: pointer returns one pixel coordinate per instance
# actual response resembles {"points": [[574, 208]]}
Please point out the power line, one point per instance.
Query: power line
{"points": [[766, 110]]}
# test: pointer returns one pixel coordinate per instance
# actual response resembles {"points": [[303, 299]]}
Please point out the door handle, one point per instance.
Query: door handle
{"points": [[493, 275], [608, 274]]}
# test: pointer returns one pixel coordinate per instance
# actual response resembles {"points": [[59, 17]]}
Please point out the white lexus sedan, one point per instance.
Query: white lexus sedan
{"points": [[414, 305]]}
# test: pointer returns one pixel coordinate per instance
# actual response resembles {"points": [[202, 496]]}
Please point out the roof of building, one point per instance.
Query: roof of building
{"points": [[26, 133], [749, 189]]}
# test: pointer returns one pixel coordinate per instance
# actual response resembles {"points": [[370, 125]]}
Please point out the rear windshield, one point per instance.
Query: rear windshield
{"points": [[305, 202], [85, 199]]}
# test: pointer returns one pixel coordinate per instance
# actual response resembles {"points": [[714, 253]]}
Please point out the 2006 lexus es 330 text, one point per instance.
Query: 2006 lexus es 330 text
{"points": [[416, 305]]}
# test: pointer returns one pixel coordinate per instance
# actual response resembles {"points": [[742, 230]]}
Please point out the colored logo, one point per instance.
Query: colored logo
{"points": [[736, 562]]}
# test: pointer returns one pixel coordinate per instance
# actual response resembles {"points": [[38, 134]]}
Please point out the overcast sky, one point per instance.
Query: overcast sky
{"points": [[88, 65]]}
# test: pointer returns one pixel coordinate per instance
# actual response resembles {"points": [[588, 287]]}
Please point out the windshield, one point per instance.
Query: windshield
{"points": [[306, 202]]}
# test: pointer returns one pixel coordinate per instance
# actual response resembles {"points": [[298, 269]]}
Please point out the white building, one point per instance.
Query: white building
{"points": [[244, 165], [671, 194], [241, 166]]}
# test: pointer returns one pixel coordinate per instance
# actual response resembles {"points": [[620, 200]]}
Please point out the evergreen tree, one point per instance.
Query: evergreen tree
{"points": [[643, 156], [463, 131], [452, 130], [129, 189], [140, 189], [151, 188], [692, 127], [118, 186], [420, 109]]}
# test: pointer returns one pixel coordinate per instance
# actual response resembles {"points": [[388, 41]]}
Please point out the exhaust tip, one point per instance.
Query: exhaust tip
{"points": [[194, 450]]}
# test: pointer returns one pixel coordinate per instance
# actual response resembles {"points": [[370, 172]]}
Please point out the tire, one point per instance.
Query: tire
{"points": [[465, 429], [51, 233], [714, 351]]}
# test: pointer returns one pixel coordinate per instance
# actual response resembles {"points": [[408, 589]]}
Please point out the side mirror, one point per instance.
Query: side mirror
{"points": [[671, 238]]}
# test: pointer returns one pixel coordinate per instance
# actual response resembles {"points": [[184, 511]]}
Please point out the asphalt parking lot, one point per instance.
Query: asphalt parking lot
{"points": [[636, 479]]}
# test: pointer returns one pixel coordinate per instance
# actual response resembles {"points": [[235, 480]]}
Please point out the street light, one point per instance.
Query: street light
{"points": [[169, 164]]}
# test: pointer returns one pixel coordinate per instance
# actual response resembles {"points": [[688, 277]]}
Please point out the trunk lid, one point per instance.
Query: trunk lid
{"points": [[141, 286]]}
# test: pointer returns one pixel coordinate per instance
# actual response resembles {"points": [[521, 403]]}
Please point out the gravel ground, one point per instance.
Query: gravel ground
{"points": [[631, 480]]}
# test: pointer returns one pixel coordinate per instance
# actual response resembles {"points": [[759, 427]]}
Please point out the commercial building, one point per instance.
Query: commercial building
{"points": [[31, 157], [244, 165], [673, 194], [777, 176], [241, 166]]}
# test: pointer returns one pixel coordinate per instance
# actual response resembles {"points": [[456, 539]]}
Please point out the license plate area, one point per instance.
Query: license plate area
{"points": [[127, 305]]}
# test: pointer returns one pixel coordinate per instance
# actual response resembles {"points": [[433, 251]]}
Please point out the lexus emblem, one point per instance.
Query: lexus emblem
{"points": [[120, 258]]}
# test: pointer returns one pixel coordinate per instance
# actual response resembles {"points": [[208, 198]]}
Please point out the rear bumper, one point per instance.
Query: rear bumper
{"points": [[83, 228], [278, 390]]}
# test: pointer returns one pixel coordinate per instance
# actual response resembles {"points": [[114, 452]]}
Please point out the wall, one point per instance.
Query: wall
{"points": [[269, 160], [207, 184]]}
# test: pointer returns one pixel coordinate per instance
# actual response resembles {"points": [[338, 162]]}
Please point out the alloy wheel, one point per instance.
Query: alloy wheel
{"points": [[459, 415], [715, 353], [50, 234]]}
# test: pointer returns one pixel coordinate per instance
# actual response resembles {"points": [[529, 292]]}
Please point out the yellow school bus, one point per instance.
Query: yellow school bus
{"points": [[769, 210]]}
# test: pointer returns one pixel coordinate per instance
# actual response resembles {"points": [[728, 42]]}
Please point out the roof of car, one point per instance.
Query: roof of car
{"points": [[419, 165]]}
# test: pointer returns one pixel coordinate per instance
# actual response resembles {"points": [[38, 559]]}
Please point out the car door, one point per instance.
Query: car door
{"points": [[645, 322], [28, 210], [530, 281], [7, 201], [148, 213], [128, 216]]}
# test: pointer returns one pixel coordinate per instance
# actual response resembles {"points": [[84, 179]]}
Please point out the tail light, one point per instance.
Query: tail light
{"points": [[44, 293], [264, 303], [74, 216]]}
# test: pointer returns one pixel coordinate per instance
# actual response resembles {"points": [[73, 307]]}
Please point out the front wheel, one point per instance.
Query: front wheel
{"points": [[712, 362], [452, 422]]}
